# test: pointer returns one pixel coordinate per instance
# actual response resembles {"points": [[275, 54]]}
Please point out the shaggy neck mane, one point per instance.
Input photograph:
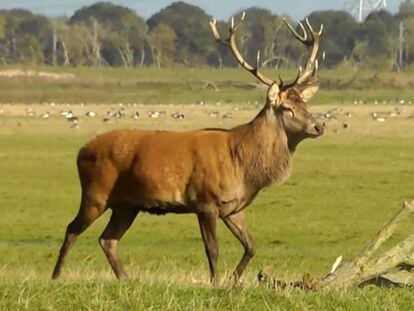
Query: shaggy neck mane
{"points": [[260, 148]]}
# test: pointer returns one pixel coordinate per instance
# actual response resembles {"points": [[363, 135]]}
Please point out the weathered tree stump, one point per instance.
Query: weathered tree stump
{"points": [[391, 268]]}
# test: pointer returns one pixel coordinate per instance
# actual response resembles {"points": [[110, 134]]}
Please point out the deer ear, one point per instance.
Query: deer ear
{"points": [[273, 97], [306, 92]]}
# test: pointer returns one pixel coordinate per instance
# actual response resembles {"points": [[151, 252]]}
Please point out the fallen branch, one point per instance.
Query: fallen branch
{"points": [[392, 268], [211, 85]]}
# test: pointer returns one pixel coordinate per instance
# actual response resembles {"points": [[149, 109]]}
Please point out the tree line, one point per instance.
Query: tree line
{"points": [[105, 34]]}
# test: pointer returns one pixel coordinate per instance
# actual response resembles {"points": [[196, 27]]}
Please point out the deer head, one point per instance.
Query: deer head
{"points": [[289, 102]]}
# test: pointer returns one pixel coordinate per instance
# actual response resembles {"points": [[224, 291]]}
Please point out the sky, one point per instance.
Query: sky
{"points": [[220, 9]]}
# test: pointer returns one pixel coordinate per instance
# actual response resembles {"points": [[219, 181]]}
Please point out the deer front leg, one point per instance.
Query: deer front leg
{"points": [[237, 225], [208, 224], [121, 220]]}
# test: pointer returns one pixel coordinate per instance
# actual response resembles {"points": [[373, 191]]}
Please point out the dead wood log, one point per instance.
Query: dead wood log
{"points": [[212, 86], [391, 268], [232, 84]]}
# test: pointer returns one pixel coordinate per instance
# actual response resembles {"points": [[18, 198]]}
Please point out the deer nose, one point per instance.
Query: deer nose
{"points": [[319, 129]]}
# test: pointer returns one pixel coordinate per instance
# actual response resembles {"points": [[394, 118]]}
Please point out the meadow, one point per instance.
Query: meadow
{"points": [[344, 186], [182, 85]]}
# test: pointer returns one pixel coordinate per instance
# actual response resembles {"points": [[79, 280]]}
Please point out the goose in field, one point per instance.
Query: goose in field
{"points": [[73, 119], [30, 112], [135, 115], [379, 116], [91, 114], [46, 115], [155, 114], [228, 115], [213, 114], [177, 115]]}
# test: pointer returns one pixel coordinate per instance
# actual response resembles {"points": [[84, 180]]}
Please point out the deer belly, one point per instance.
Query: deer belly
{"points": [[150, 194], [158, 205], [162, 208]]}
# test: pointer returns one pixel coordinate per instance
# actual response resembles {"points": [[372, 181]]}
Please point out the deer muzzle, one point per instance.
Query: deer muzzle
{"points": [[316, 130]]}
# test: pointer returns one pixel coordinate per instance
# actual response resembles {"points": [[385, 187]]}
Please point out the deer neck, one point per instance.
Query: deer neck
{"points": [[261, 150], [293, 140]]}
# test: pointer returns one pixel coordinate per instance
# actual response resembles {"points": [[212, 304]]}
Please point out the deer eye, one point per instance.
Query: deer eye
{"points": [[290, 112]]}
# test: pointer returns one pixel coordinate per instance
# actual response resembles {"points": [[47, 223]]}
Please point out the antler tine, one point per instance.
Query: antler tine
{"points": [[311, 28], [280, 81], [314, 42], [296, 79], [308, 75], [231, 43], [302, 38], [235, 26], [216, 34], [312, 65]]}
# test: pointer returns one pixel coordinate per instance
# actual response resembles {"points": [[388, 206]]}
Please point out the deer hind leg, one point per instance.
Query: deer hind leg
{"points": [[121, 219], [89, 211], [97, 183], [237, 225], [208, 224]]}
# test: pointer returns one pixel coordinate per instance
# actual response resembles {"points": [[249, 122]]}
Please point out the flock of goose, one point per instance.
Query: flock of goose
{"points": [[123, 111], [339, 114], [120, 111]]}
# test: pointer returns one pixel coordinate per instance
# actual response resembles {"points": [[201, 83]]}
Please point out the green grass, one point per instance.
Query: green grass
{"points": [[343, 188], [134, 295], [183, 85]]}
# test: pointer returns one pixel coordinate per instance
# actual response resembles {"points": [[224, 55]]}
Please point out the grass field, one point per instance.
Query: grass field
{"points": [[185, 86], [344, 186]]}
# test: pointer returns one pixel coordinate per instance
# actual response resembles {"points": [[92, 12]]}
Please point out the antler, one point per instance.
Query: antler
{"points": [[231, 43], [307, 75]]}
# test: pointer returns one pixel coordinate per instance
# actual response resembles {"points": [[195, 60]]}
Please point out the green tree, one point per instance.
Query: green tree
{"points": [[408, 47], [162, 41], [2, 26], [27, 37], [258, 34], [405, 15], [3, 41], [190, 23], [406, 9], [71, 44], [377, 35], [123, 32]]}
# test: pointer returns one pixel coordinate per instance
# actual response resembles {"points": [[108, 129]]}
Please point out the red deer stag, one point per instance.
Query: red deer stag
{"points": [[213, 173]]}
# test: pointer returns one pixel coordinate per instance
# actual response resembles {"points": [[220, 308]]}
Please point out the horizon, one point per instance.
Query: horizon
{"points": [[215, 8]]}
